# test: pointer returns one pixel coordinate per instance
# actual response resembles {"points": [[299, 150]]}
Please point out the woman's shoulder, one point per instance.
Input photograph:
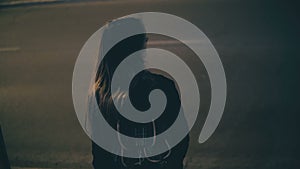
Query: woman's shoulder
{"points": [[156, 75]]}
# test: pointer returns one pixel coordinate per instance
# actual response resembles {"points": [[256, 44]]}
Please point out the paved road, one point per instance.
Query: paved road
{"points": [[257, 42]]}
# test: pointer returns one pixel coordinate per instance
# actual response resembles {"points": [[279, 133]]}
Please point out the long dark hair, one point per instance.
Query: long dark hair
{"points": [[112, 59]]}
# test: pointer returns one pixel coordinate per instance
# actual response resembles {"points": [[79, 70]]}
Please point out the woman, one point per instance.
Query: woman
{"points": [[140, 87]]}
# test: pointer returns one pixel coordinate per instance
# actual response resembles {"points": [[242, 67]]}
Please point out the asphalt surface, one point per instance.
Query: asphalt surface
{"points": [[257, 42]]}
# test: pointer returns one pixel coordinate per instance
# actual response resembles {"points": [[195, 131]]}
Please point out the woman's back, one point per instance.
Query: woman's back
{"points": [[140, 87]]}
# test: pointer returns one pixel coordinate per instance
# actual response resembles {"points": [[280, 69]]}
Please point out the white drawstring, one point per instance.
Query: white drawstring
{"points": [[141, 160], [165, 157]]}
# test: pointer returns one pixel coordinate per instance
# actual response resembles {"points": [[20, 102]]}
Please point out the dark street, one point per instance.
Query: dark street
{"points": [[257, 41]]}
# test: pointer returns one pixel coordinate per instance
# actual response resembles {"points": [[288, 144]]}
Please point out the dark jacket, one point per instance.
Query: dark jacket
{"points": [[140, 87]]}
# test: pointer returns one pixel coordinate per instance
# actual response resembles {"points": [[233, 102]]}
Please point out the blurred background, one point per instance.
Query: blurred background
{"points": [[258, 43]]}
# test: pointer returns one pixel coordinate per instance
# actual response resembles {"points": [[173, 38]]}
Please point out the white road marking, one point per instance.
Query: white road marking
{"points": [[10, 49], [20, 2]]}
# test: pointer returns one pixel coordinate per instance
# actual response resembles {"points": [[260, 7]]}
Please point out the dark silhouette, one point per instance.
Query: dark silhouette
{"points": [[140, 87], [4, 163]]}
